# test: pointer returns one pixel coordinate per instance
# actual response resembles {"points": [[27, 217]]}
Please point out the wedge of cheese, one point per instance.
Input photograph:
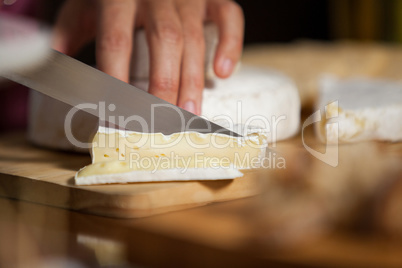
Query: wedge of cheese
{"points": [[122, 172], [125, 156], [359, 109], [252, 96]]}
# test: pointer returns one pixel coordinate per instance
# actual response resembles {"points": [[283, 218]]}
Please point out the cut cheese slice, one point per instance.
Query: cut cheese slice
{"points": [[252, 96], [126, 156], [122, 172], [360, 109], [110, 144]]}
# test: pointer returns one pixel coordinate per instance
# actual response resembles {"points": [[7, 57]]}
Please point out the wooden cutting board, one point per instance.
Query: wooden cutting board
{"points": [[47, 177]]}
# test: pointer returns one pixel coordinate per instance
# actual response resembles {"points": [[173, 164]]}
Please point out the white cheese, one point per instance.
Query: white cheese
{"points": [[111, 172], [125, 156], [185, 149], [46, 124], [360, 109], [253, 96], [140, 60], [24, 43]]}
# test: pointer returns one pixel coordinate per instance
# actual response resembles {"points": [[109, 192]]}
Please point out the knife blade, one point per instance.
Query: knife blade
{"points": [[86, 88]]}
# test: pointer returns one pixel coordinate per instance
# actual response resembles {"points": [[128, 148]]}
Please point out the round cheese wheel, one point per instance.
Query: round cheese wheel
{"points": [[252, 96]]}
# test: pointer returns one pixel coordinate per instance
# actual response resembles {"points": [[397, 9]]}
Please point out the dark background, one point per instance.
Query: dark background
{"points": [[284, 21], [267, 21], [290, 20]]}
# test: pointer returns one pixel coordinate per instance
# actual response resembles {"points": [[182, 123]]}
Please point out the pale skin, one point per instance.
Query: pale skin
{"points": [[174, 30]]}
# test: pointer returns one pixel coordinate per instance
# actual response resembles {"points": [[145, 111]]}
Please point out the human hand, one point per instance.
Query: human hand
{"points": [[174, 30]]}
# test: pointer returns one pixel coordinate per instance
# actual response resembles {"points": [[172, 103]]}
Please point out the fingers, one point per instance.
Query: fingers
{"points": [[164, 35], [228, 16], [114, 37], [70, 35], [174, 31], [192, 69]]}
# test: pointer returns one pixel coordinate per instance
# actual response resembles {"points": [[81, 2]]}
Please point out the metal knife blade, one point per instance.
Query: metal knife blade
{"points": [[77, 84]]}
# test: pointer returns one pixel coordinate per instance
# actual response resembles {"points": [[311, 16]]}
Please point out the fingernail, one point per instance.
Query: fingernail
{"points": [[226, 67], [189, 106]]}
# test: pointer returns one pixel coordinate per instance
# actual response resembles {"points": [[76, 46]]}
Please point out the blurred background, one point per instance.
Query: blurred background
{"points": [[361, 197], [289, 20], [268, 22], [286, 20]]}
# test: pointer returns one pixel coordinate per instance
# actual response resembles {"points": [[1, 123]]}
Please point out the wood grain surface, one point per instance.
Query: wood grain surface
{"points": [[308, 215], [47, 177], [307, 61]]}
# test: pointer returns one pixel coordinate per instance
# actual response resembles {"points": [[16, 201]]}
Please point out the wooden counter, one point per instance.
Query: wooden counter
{"points": [[308, 215]]}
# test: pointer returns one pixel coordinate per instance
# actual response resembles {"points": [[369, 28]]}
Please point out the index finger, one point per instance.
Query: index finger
{"points": [[114, 37], [228, 16], [164, 35]]}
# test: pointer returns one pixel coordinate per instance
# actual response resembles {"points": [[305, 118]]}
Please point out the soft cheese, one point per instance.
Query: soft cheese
{"points": [[252, 96], [111, 144], [126, 156], [140, 63], [122, 172], [360, 109], [260, 97]]}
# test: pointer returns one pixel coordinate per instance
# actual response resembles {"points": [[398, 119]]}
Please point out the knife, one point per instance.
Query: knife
{"points": [[82, 86]]}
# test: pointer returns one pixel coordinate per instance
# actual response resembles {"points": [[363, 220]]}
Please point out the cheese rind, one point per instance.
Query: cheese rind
{"points": [[125, 156], [110, 172], [192, 147], [140, 62], [259, 97], [252, 96], [360, 109]]}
